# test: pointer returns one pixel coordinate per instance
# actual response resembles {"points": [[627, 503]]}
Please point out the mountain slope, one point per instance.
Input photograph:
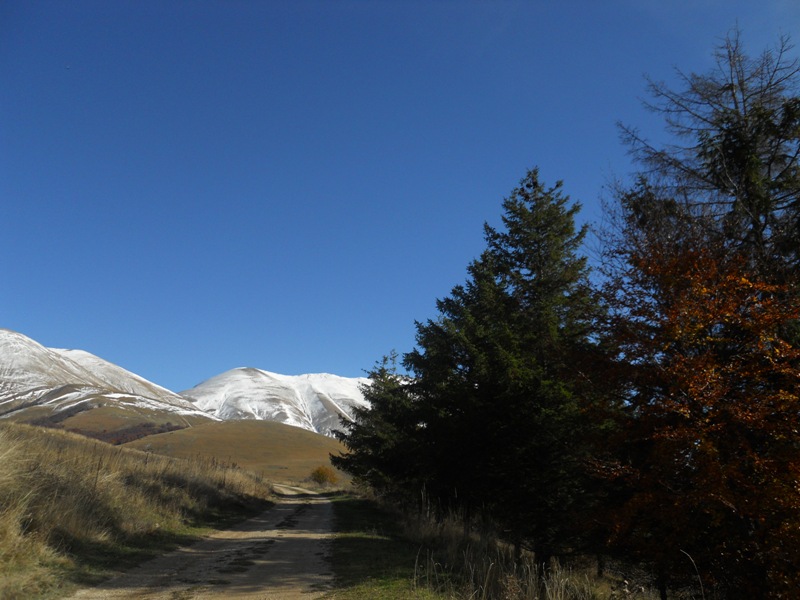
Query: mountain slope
{"points": [[314, 402], [28, 369], [35, 377], [117, 378]]}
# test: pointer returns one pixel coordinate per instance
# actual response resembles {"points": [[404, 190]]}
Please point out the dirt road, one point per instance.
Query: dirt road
{"points": [[278, 555]]}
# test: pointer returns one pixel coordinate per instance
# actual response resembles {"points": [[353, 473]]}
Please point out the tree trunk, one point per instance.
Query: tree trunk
{"points": [[661, 582], [601, 565]]}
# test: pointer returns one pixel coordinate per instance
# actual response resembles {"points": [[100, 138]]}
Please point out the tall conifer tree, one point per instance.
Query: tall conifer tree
{"points": [[499, 371]]}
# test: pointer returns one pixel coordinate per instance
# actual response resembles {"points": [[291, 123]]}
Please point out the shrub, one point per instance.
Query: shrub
{"points": [[324, 475]]}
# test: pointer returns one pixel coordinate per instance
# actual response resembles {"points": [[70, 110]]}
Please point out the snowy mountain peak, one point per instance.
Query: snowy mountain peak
{"points": [[314, 401], [27, 365], [119, 379]]}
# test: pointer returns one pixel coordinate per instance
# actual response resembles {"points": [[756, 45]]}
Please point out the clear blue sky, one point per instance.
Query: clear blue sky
{"points": [[189, 187]]}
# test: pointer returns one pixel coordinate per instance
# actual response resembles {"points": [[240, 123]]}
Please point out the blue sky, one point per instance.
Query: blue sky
{"points": [[189, 187]]}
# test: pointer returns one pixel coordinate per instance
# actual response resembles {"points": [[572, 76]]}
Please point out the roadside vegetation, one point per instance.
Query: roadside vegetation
{"points": [[324, 476], [379, 552], [370, 556], [74, 511]]}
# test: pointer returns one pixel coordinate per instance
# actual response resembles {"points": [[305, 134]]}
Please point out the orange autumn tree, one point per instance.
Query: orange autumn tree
{"points": [[708, 462]]}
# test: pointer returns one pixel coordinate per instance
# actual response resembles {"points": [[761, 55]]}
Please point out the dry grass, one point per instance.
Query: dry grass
{"points": [[73, 508], [379, 552], [479, 566], [97, 418], [114, 417], [277, 451]]}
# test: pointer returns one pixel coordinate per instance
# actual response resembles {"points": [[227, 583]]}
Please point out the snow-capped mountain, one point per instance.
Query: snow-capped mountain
{"points": [[32, 375], [314, 402]]}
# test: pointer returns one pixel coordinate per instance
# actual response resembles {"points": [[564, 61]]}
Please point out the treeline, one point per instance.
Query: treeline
{"points": [[650, 412]]}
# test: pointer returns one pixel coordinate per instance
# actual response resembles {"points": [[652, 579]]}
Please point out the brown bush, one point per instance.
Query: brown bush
{"points": [[324, 475]]}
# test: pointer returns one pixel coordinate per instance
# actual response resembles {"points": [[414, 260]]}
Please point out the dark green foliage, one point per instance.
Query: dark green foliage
{"points": [[490, 422], [500, 368], [382, 439]]}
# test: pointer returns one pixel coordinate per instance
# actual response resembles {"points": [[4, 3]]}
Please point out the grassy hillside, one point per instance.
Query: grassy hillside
{"points": [[279, 452], [72, 510], [115, 418], [115, 422]]}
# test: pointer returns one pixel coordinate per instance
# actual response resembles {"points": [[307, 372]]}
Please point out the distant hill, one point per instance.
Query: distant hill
{"points": [[279, 452], [76, 390]]}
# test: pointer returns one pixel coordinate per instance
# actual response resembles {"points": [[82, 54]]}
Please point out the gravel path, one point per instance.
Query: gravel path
{"points": [[278, 555]]}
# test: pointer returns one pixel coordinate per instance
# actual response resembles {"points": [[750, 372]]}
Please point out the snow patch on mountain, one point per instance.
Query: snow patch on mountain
{"points": [[26, 365], [116, 378]]}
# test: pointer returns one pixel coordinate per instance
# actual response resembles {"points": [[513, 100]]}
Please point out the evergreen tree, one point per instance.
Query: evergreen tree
{"points": [[491, 419], [383, 438], [498, 374]]}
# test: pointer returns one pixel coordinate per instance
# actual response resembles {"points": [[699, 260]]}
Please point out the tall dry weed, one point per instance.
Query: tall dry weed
{"points": [[476, 565], [25, 558], [60, 493]]}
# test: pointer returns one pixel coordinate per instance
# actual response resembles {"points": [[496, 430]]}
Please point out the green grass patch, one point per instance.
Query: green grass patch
{"points": [[370, 558], [377, 553]]}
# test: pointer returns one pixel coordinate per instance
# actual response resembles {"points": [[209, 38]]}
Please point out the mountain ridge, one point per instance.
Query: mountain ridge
{"points": [[34, 377]]}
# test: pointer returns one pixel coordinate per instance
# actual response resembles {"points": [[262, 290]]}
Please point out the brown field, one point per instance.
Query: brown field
{"points": [[279, 452]]}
